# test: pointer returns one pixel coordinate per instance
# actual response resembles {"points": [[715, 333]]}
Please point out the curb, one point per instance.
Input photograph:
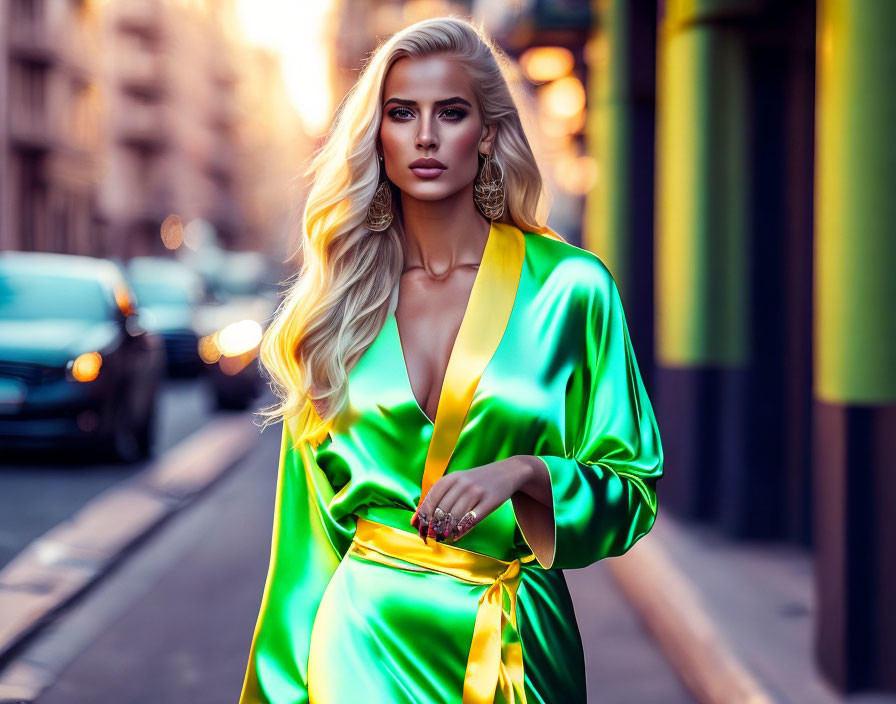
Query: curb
{"points": [[669, 605], [63, 563]]}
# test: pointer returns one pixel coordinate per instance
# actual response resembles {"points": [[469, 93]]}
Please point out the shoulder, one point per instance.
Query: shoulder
{"points": [[569, 268]]}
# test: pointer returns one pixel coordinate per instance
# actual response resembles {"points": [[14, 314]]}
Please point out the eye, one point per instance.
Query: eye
{"points": [[394, 113], [458, 114]]}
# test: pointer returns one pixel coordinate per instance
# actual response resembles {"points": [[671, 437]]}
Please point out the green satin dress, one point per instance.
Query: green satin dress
{"points": [[562, 384]]}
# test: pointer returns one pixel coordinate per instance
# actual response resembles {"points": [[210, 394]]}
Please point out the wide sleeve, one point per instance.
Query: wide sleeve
{"points": [[603, 490], [308, 544]]}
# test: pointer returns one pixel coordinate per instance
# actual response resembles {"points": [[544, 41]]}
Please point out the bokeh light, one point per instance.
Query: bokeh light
{"points": [[546, 63], [172, 232]]}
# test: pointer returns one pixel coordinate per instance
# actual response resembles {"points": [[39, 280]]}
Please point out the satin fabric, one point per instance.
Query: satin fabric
{"points": [[562, 384], [495, 661]]}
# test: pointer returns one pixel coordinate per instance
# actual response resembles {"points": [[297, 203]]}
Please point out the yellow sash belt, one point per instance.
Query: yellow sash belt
{"points": [[492, 664]]}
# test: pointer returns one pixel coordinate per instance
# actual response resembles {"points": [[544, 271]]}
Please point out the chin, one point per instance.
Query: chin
{"points": [[432, 191]]}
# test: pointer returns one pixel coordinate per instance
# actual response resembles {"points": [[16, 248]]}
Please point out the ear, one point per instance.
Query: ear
{"points": [[487, 140]]}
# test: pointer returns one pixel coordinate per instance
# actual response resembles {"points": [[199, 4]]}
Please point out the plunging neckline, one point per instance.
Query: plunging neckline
{"points": [[403, 360]]}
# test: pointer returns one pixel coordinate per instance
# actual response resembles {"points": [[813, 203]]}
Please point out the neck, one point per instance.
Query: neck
{"points": [[442, 235]]}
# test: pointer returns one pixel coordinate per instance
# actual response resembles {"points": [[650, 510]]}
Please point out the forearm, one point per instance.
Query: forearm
{"points": [[536, 480], [534, 508]]}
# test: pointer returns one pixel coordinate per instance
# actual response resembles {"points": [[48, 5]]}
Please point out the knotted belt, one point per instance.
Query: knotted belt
{"points": [[493, 664]]}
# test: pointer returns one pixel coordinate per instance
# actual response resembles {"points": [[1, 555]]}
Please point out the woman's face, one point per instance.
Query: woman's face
{"points": [[430, 112]]}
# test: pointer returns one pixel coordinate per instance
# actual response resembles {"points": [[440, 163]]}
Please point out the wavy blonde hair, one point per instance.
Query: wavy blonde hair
{"points": [[340, 297]]}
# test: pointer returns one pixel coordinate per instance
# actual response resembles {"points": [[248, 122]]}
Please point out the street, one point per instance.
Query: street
{"points": [[36, 494]]}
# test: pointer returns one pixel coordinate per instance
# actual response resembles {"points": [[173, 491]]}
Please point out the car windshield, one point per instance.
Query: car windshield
{"points": [[32, 295], [152, 292]]}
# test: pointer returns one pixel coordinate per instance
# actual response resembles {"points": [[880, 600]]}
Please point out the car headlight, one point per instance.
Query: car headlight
{"points": [[84, 367], [239, 338], [233, 347], [233, 340]]}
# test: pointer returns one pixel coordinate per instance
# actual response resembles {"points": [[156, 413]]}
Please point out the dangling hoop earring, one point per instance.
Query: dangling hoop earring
{"points": [[379, 212], [488, 191]]}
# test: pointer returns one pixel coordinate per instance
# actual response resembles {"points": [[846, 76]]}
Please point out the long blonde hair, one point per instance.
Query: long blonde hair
{"points": [[339, 299]]}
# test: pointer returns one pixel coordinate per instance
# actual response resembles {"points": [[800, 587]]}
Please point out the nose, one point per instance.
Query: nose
{"points": [[426, 136]]}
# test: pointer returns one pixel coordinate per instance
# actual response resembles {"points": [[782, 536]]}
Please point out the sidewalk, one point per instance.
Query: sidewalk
{"points": [[623, 662], [756, 600]]}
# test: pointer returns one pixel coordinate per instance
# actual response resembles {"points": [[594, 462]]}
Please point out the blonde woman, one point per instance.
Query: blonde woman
{"points": [[463, 415]]}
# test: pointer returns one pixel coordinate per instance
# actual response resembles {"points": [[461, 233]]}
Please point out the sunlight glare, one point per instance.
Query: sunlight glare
{"points": [[298, 32]]}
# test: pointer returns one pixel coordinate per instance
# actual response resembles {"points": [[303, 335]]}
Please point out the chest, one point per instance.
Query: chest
{"points": [[428, 316]]}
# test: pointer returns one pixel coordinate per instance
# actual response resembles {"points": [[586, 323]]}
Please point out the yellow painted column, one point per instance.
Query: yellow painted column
{"points": [[855, 344]]}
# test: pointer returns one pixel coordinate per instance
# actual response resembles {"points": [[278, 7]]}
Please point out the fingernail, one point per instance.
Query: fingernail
{"points": [[414, 519]]}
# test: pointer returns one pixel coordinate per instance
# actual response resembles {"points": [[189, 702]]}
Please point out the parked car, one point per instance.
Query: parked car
{"points": [[76, 367], [231, 324], [169, 293]]}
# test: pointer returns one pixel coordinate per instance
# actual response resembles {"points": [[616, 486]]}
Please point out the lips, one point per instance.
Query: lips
{"points": [[427, 167], [427, 163]]}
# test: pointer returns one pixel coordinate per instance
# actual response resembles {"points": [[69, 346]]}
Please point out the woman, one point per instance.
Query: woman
{"points": [[463, 412]]}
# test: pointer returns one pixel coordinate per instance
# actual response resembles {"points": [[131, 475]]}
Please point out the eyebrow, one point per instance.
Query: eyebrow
{"points": [[438, 103]]}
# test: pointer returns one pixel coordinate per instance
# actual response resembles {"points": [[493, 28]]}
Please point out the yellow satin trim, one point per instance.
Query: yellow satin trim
{"points": [[485, 319], [492, 665]]}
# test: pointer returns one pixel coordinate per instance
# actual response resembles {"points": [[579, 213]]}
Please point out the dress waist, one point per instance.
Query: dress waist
{"points": [[496, 539], [494, 661]]}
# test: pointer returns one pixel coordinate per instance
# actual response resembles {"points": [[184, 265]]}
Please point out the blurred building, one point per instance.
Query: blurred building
{"points": [[744, 152], [274, 149], [124, 121], [49, 124], [171, 115]]}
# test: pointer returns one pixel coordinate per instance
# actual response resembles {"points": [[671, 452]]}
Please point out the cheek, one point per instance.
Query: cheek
{"points": [[464, 154], [465, 145], [390, 137], [395, 147]]}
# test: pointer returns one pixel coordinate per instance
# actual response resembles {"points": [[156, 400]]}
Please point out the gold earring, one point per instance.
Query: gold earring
{"points": [[488, 191], [379, 212]]}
